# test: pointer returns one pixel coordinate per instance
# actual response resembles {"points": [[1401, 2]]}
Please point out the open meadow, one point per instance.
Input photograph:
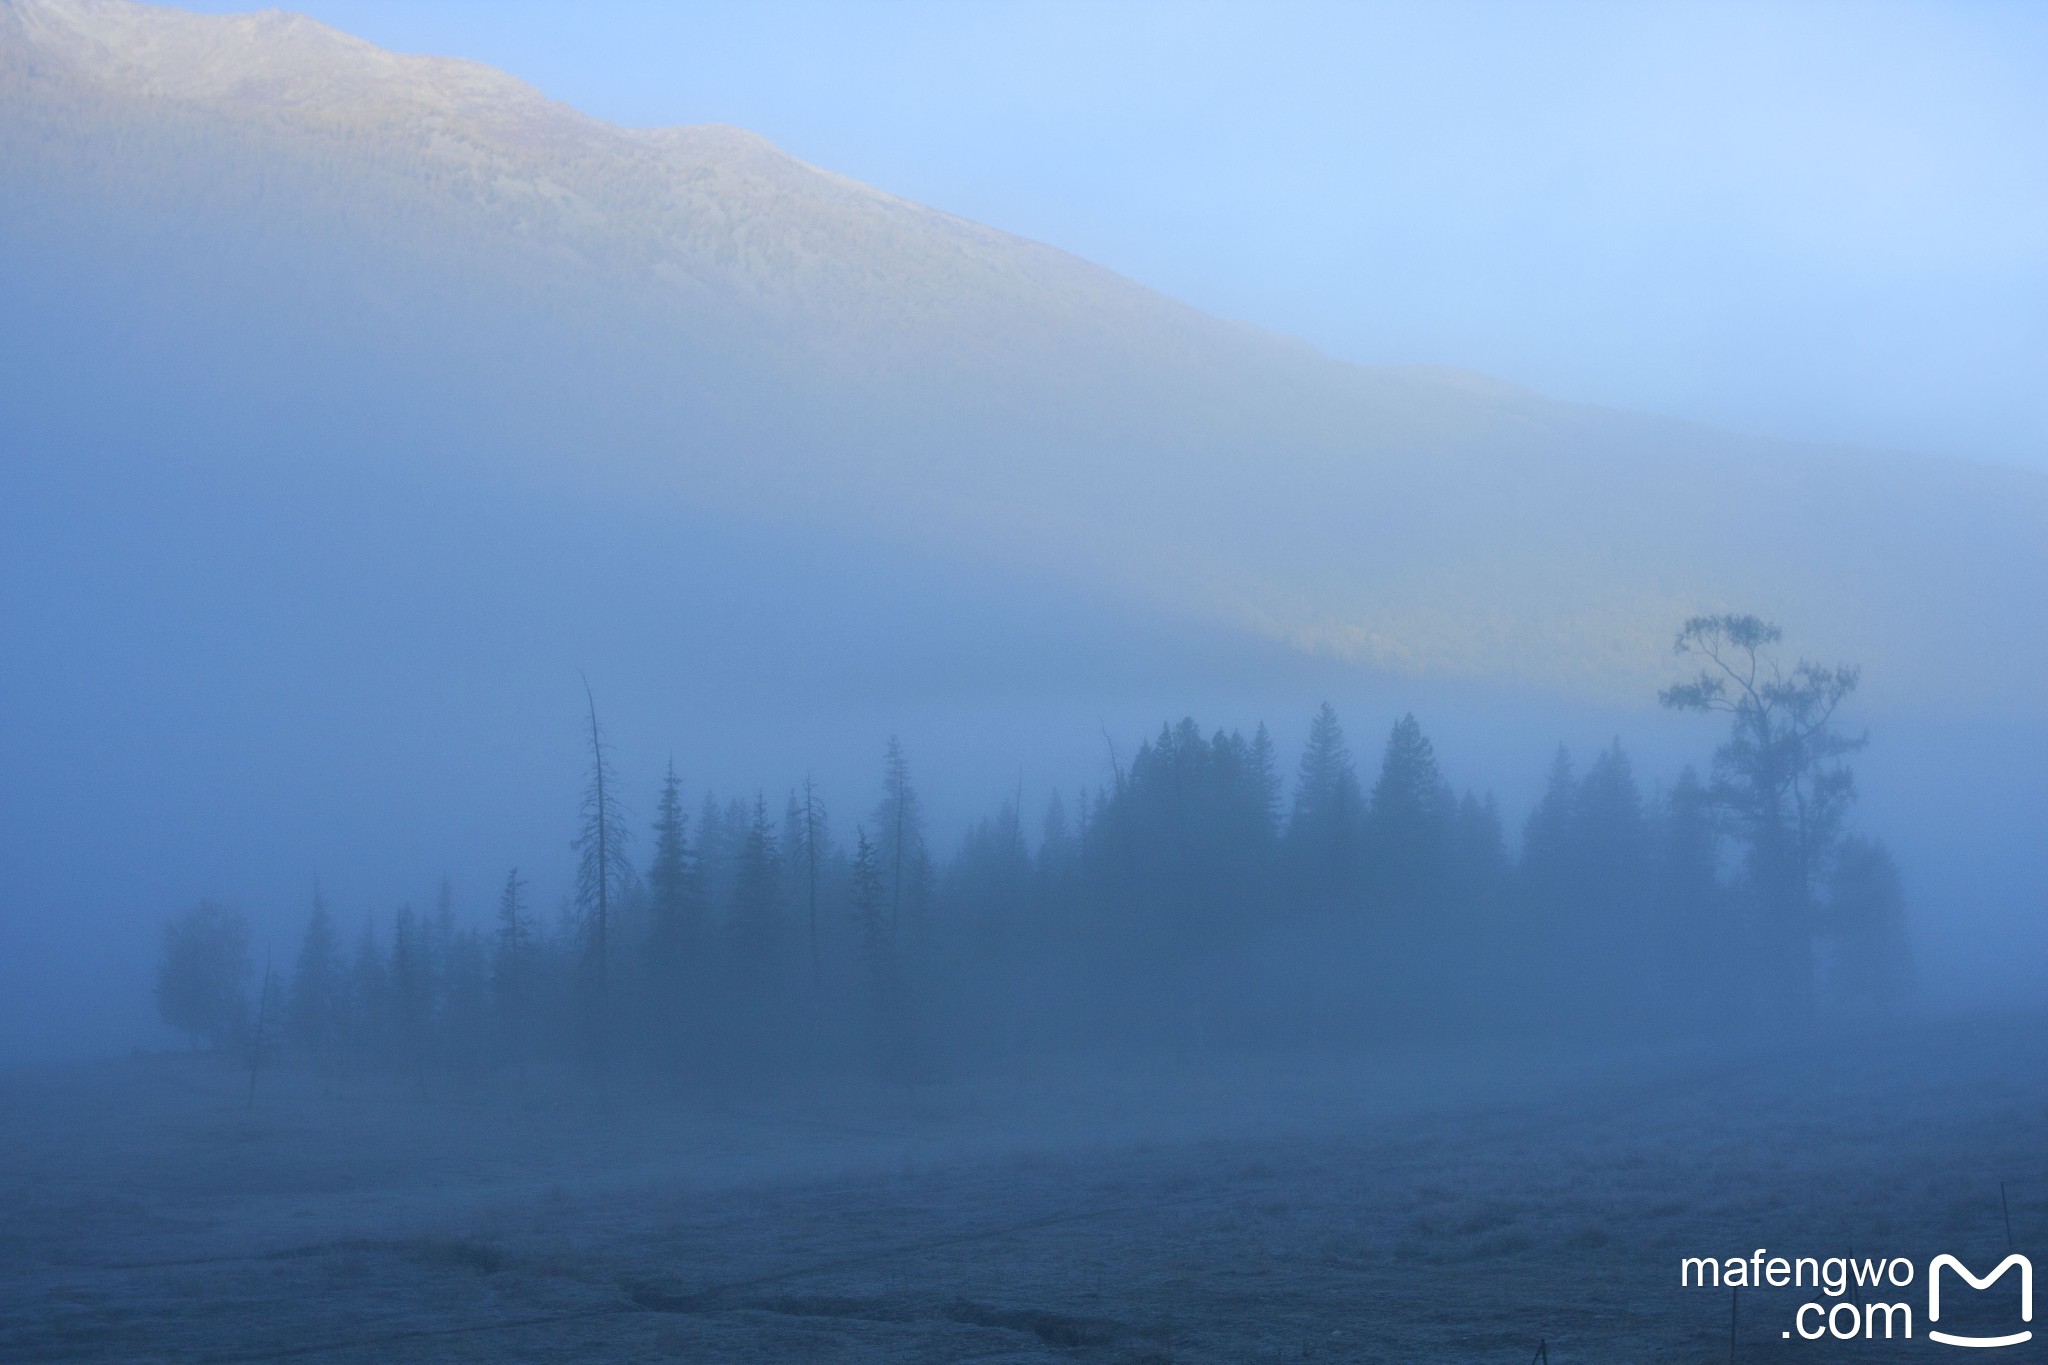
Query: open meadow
{"points": [[1439, 1205]]}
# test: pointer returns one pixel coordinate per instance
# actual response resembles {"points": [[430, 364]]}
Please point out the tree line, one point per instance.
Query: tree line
{"points": [[1193, 899]]}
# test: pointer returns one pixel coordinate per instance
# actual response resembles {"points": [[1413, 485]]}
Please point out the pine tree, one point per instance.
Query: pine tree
{"points": [[441, 935], [1870, 957], [1056, 844], [714, 854], [1479, 857], [992, 875], [1323, 830], [757, 903], [907, 864], [881, 973], [514, 972], [466, 1004], [313, 1018], [201, 979], [1265, 777], [809, 829], [409, 989], [1407, 822], [1613, 857], [671, 882], [868, 899], [1547, 835], [369, 992], [1705, 940]]}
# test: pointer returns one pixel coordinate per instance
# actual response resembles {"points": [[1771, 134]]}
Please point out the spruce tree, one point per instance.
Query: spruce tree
{"points": [[1615, 942], [757, 904], [201, 984], [409, 990], [808, 828], [314, 1015], [1323, 830], [1265, 777], [1056, 843], [1705, 940], [465, 1022], [868, 899], [1408, 817], [1871, 963], [672, 886], [907, 870], [515, 973], [369, 994], [440, 941], [881, 976]]}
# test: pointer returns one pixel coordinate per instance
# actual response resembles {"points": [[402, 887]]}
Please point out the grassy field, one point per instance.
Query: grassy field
{"points": [[1460, 1204]]}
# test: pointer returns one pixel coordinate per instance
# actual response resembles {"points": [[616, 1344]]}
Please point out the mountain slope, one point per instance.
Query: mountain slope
{"points": [[263, 225]]}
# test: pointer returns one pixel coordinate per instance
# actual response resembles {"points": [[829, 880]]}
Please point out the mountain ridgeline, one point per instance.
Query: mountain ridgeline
{"points": [[293, 248]]}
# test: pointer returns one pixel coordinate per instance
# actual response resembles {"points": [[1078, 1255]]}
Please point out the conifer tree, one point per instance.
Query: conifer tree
{"points": [[1547, 835], [866, 894], [369, 999], [881, 979], [514, 972], [440, 941], [313, 1017], [714, 855], [907, 864], [1323, 830], [1865, 923], [672, 891], [1612, 856], [1056, 842], [809, 829], [1479, 859], [1265, 777], [1408, 818], [465, 1021], [1704, 938], [201, 978], [409, 989], [757, 903]]}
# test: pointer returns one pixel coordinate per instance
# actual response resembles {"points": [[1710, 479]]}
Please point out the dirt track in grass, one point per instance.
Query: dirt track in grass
{"points": [[1458, 1204]]}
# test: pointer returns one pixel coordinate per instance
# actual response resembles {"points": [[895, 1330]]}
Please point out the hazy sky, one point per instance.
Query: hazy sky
{"points": [[1821, 221]]}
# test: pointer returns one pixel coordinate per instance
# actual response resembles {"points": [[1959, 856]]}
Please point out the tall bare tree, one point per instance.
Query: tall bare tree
{"points": [[601, 871]]}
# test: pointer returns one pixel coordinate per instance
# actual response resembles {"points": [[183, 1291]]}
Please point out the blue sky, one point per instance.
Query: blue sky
{"points": [[1820, 221]]}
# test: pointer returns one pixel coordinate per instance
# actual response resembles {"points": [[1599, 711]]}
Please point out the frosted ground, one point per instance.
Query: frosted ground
{"points": [[1447, 1205]]}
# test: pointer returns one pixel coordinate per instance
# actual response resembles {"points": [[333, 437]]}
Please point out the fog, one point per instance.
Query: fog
{"points": [[617, 746]]}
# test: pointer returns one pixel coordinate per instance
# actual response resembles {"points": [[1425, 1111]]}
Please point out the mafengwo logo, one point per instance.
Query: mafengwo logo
{"points": [[1849, 1312]]}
